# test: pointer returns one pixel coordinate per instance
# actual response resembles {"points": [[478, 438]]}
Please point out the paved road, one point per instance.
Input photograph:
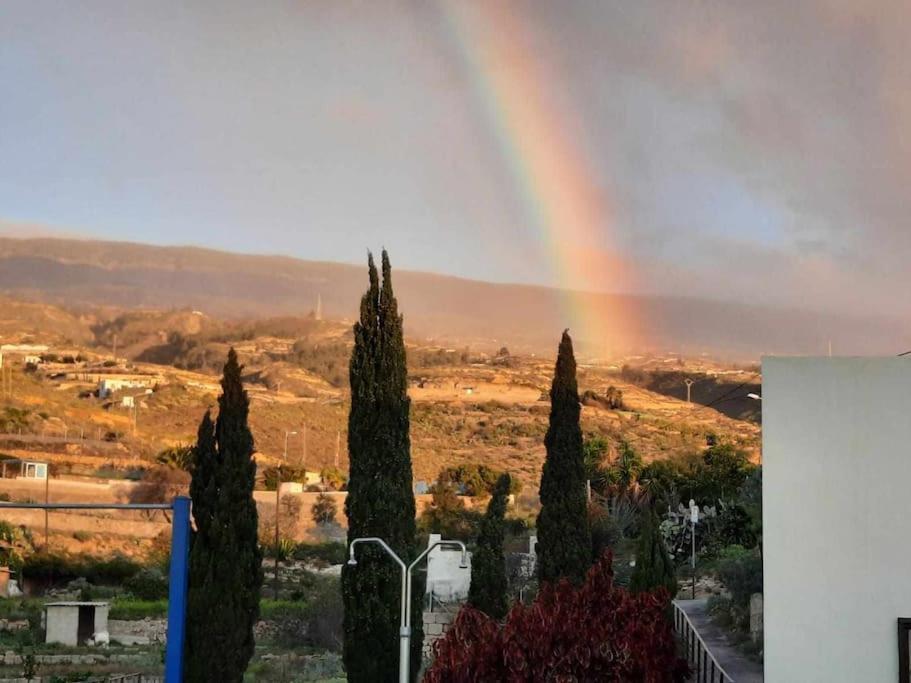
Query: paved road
{"points": [[738, 666]]}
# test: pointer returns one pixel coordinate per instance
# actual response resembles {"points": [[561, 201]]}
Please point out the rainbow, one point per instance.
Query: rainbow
{"points": [[572, 217]]}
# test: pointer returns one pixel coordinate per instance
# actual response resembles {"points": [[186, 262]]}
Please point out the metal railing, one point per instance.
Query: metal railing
{"points": [[177, 577], [706, 668]]}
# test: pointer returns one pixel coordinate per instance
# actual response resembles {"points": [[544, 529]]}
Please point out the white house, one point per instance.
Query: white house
{"points": [[836, 523]]}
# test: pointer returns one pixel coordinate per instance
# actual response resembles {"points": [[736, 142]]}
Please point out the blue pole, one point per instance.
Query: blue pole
{"points": [[177, 595]]}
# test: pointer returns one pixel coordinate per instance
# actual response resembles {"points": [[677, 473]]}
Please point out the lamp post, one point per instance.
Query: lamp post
{"points": [[694, 519], [405, 619], [278, 488]]}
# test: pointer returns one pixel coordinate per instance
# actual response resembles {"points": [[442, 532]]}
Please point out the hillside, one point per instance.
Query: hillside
{"points": [[83, 274]]}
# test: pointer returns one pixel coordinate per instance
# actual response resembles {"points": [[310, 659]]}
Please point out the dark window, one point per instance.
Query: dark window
{"points": [[904, 639]]}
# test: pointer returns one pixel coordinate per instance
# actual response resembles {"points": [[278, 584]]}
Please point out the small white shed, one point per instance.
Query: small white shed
{"points": [[75, 623]]}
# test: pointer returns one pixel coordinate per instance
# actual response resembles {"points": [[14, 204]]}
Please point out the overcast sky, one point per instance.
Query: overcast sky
{"points": [[753, 151]]}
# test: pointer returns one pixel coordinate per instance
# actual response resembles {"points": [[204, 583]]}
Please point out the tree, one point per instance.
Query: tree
{"points": [[488, 564], [447, 514], [225, 559], [178, 457], [596, 632], [380, 500], [564, 538], [324, 509], [654, 568], [159, 485]]}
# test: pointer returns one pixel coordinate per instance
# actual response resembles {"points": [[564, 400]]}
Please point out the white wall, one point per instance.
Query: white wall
{"points": [[445, 578], [836, 517]]}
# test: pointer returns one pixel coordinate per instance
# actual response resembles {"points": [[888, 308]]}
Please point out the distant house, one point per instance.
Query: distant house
{"points": [[108, 385], [28, 469]]}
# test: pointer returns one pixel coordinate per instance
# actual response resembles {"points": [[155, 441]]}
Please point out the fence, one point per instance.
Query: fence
{"points": [[179, 571], [706, 668]]}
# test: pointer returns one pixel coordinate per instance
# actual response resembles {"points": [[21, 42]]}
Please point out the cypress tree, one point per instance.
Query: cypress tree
{"points": [[653, 564], [380, 500], [225, 559], [564, 538], [488, 564]]}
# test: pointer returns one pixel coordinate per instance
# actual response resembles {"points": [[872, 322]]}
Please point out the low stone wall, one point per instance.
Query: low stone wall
{"points": [[436, 624], [138, 632], [10, 658]]}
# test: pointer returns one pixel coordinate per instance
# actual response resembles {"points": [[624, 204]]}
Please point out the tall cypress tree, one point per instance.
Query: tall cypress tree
{"points": [[380, 500], [653, 564], [564, 538], [488, 563], [225, 560]]}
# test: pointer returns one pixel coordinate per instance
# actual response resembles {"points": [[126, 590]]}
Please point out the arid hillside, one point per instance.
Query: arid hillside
{"points": [[90, 274]]}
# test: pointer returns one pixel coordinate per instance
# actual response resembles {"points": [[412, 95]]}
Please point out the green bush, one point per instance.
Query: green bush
{"points": [[131, 609], [148, 584], [320, 554], [740, 570], [53, 566]]}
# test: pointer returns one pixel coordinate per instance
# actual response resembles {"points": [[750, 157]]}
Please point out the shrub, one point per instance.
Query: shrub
{"points": [[130, 609], [476, 480], [148, 584], [334, 478], [325, 554], [740, 570], [52, 566], [594, 632]]}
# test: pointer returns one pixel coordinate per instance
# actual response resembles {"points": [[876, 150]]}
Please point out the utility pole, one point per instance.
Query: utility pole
{"points": [[115, 349], [278, 488], [304, 448], [689, 386], [338, 442], [694, 518], [47, 499]]}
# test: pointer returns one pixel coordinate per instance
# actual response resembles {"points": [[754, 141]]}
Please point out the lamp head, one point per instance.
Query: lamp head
{"points": [[352, 562]]}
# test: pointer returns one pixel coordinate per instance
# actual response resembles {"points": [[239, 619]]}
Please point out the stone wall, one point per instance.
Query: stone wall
{"points": [[436, 624]]}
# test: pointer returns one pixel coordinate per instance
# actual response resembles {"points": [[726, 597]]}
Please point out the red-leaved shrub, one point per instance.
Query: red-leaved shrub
{"points": [[596, 632]]}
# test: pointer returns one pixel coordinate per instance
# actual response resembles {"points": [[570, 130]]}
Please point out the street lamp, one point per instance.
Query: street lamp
{"points": [[694, 519], [405, 619], [278, 488]]}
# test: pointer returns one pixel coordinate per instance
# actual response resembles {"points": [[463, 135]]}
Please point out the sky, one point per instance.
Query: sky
{"points": [[749, 151]]}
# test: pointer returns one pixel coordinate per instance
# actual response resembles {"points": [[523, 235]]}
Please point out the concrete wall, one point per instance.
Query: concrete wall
{"points": [[836, 517], [62, 625]]}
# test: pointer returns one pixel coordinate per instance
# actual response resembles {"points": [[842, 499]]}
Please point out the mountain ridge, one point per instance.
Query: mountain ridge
{"points": [[84, 272]]}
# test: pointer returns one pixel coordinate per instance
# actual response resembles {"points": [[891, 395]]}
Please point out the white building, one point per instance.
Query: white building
{"points": [[76, 623], [108, 385], [836, 521]]}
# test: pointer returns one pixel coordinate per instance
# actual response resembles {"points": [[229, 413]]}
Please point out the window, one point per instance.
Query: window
{"points": [[904, 663], [35, 470]]}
